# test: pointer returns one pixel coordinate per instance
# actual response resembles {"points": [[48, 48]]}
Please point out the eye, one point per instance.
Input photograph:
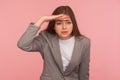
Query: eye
{"points": [[69, 22], [58, 23]]}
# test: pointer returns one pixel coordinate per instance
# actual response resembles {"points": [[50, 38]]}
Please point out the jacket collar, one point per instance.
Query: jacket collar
{"points": [[75, 59]]}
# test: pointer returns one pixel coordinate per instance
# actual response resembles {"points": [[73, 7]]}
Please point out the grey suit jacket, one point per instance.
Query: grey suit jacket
{"points": [[48, 46]]}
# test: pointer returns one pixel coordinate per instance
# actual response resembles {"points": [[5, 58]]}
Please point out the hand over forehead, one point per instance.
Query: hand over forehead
{"points": [[63, 17]]}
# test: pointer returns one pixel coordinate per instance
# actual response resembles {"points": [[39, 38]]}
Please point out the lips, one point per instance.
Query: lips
{"points": [[64, 32]]}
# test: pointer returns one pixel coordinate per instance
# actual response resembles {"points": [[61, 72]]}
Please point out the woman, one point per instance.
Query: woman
{"points": [[66, 52]]}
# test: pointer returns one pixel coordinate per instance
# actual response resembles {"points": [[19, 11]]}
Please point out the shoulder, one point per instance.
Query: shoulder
{"points": [[46, 35], [84, 39]]}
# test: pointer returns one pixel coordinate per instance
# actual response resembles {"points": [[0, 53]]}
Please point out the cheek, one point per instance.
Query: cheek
{"points": [[70, 28], [57, 29]]}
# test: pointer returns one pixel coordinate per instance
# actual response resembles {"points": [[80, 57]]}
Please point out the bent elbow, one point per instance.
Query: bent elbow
{"points": [[24, 47]]}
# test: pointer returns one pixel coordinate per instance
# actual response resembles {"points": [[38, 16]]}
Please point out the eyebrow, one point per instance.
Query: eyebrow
{"points": [[67, 20]]}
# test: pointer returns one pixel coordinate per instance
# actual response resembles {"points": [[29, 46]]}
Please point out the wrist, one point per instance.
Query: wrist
{"points": [[39, 22]]}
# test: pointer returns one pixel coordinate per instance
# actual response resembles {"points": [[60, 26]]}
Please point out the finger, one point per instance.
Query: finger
{"points": [[62, 18], [58, 16]]}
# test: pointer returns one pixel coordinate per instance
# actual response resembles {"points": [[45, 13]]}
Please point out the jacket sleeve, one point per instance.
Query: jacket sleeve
{"points": [[29, 41], [84, 65]]}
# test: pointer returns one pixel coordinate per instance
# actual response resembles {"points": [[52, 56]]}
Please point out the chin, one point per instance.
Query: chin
{"points": [[65, 37]]}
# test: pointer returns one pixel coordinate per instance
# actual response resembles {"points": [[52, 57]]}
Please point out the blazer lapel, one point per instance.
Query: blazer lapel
{"points": [[76, 55], [56, 53]]}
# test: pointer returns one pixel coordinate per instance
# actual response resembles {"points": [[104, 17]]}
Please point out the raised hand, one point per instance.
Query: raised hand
{"points": [[48, 18]]}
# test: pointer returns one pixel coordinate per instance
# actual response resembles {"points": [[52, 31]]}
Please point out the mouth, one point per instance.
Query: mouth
{"points": [[64, 32]]}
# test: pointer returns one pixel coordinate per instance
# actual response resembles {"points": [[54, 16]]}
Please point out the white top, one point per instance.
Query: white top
{"points": [[66, 48]]}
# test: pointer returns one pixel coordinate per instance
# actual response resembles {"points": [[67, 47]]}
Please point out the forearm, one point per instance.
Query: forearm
{"points": [[39, 22]]}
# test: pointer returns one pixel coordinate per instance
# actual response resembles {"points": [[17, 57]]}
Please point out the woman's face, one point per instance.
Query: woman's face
{"points": [[64, 27]]}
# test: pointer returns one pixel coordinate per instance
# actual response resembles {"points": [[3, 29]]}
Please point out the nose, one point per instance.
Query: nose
{"points": [[64, 25]]}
